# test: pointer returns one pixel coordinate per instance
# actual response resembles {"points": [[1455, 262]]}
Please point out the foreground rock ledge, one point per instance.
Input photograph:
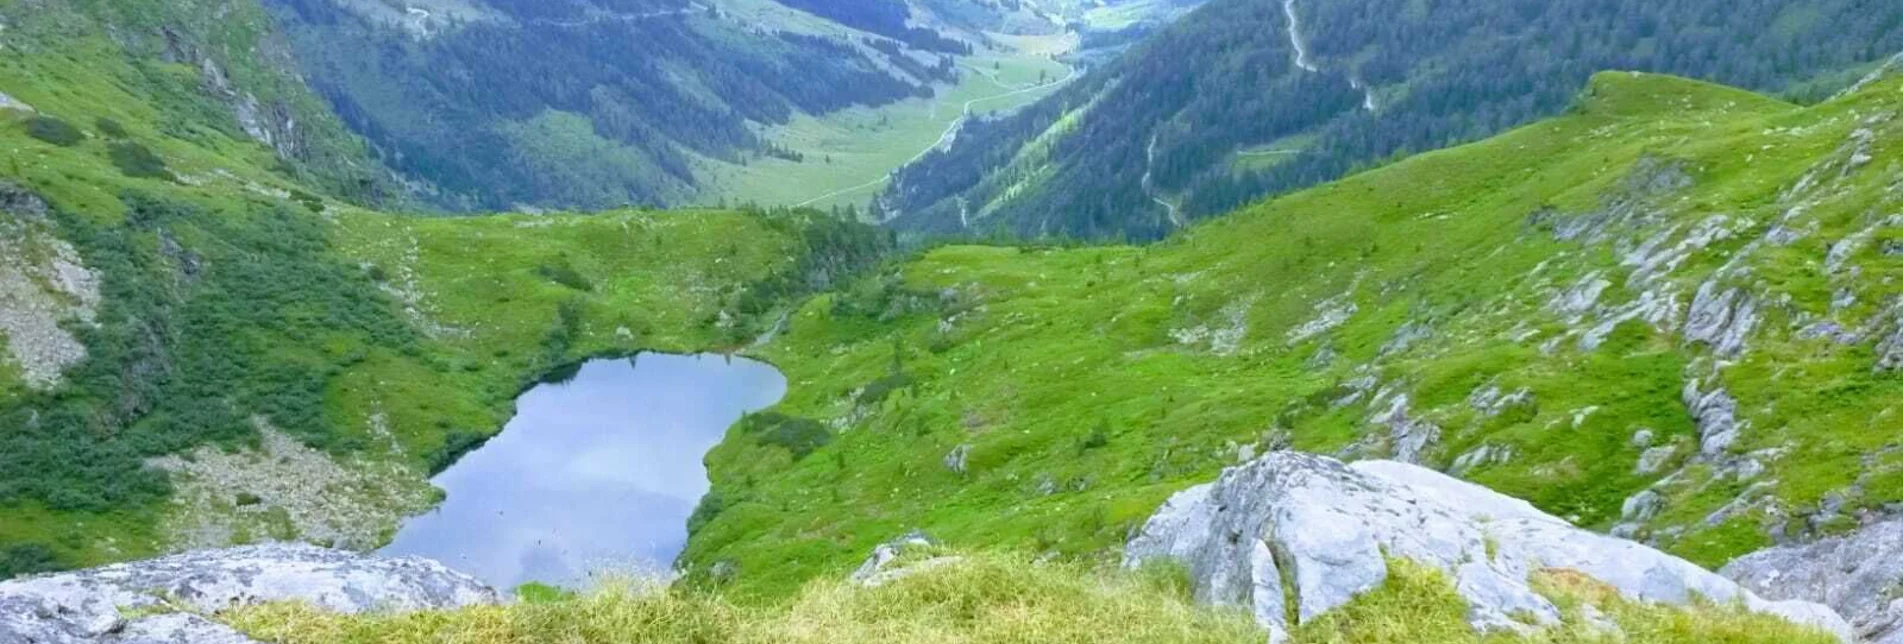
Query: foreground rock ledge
{"points": [[1330, 529], [1856, 574], [92, 605]]}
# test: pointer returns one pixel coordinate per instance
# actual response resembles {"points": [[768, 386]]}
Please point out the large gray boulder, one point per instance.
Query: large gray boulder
{"points": [[1859, 575], [105, 604], [1329, 529]]}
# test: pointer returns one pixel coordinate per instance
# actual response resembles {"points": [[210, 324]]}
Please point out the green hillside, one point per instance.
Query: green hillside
{"points": [[1670, 313], [1244, 98], [181, 311], [1677, 287]]}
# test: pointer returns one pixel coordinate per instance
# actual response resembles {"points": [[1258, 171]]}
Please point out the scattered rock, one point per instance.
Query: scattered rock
{"points": [[105, 604], [1329, 314], [1409, 437], [1357, 388], [1642, 438], [1488, 454], [955, 461], [1649, 182], [1327, 530], [1721, 319], [11, 103], [1656, 307], [1716, 415], [1490, 401], [1857, 574], [1841, 252], [1224, 339], [1828, 330], [1405, 338], [43, 283], [300, 492], [1653, 460], [884, 566], [1045, 485], [1641, 507], [1659, 256], [1579, 299], [1890, 348]]}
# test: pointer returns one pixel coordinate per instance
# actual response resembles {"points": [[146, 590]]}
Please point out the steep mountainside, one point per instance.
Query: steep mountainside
{"points": [[1250, 97], [199, 71], [591, 103], [1672, 314]]}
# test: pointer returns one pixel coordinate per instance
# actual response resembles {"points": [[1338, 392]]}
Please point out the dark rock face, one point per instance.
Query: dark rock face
{"points": [[93, 605]]}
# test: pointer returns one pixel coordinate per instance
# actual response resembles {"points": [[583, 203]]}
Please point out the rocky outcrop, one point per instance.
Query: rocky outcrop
{"points": [[1409, 436], [286, 488], [1291, 536], [1722, 318], [956, 459], [165, 600], [11, 103], [1858, 575], [1715, 413], [896, 559], [1329, 314], [44, 286]]}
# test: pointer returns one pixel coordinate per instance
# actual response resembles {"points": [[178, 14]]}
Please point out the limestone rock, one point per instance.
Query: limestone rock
{"points": [[1653, 460], [1715, 413], [955, 460], [1329, 314], [103, 604], [1409, 435], [1329, 528], [1490, 400], [883, 567], [1856, 574], [11, 103], [1722, 318], [1405, 338]]}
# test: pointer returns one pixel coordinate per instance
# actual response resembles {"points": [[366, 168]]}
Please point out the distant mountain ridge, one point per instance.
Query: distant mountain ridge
{"points": [[1250, 97], [499, 104]]}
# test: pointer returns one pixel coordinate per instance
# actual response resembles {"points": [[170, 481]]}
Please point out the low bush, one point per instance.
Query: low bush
{"points": [[137, 161], [54, 131]]}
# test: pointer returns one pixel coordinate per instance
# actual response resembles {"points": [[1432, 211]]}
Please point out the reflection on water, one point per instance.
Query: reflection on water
{"points": [[595, 474]]}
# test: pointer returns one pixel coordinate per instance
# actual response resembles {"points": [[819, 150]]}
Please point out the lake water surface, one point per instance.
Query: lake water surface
{"points": [[594, 475]]}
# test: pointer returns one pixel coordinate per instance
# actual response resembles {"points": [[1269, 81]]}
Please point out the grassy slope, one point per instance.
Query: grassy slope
{"points": [[482, 287], [992, 598], [1091, 383]]}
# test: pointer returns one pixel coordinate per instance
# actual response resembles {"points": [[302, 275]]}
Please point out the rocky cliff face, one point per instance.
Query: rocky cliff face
{"points": [[164, 600], [1859, 575], [1292, 536]]}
